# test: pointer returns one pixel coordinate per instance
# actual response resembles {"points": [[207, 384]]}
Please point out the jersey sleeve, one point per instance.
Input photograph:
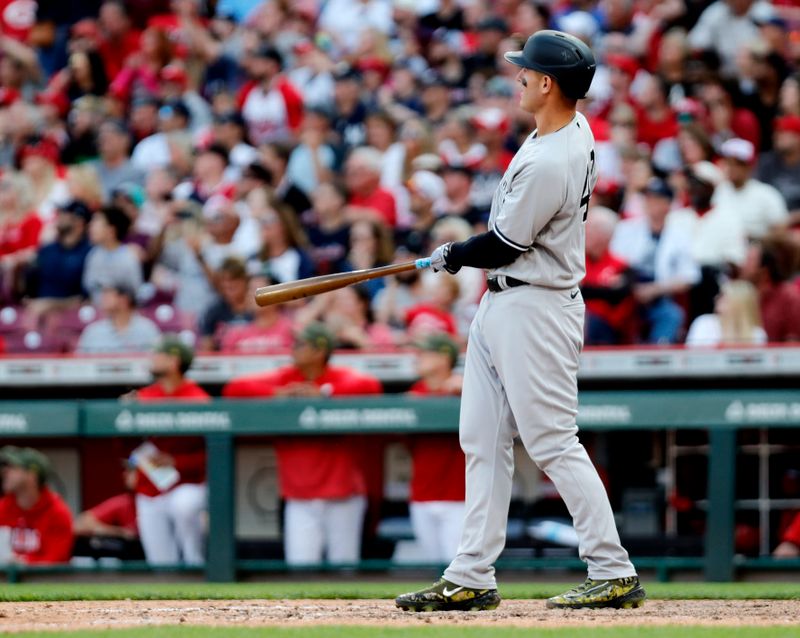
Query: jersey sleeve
{"points": [[530, 199]]}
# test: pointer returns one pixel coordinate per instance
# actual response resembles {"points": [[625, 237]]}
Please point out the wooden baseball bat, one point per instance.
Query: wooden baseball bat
{"points": [[291, 290]]}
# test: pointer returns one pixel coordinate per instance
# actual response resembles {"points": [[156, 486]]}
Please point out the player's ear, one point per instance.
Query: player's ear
{"points": [[547, 84]]}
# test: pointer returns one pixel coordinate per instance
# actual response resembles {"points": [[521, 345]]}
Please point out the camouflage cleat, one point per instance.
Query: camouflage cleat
{"points": [[621, 593], [446, 596]]}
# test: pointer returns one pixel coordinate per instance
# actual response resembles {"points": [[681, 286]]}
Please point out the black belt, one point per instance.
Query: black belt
{"points": [[503, 282]]}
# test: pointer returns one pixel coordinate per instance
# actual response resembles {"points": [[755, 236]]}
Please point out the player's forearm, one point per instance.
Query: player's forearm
{"points": [[486, 250]]}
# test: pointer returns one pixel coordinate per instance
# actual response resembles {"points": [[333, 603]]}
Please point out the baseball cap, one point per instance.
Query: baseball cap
{"points": [[175, 107], [491, 119], [78, 208], [788, 124], [172, 345], [318, 336], [269, 52], [625, 63], [174, 73], [441, 343], [707, 173], [738, 149], [27, 458], [660, 188], [230, 117], [493, 23], [132, 192]]}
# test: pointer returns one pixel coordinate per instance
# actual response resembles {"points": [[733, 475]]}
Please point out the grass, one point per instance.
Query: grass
{"points": [[426, 632], [355, 590]]}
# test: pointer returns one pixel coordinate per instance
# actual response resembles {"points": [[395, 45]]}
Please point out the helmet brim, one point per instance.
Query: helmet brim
{"points": [[517, 58]]}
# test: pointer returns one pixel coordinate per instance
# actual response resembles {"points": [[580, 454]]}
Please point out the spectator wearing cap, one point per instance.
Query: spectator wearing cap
{"points": [[719, 243], [349, 110], [122, 330], [230, 131], [492, 125], [607, 287], [772, 262], [38, 159], [436, 98], [271, 329], [143, 117], [271, 105], [491, 31], [174, 87], [660, 255], [313, 75], [323, 485], [347, 22], [362, 176], [110, 261], [231, 308], [114, 165], [780, 167], [20, 229], [313, 159], [55, 278], [39, 522], [436, 499], [170, 517], [154, 150], [759, 206], [725, 26]]}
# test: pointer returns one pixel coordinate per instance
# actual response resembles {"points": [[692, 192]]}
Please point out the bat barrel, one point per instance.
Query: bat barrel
{"points": [[292, 290]]}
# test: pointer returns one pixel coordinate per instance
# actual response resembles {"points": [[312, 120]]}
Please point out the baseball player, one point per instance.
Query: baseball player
{"points": [[522, 359]]}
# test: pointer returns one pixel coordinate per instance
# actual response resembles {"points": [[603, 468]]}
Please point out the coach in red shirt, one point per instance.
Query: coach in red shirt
{"points": [[438, 467], [170, 518], [320, 478], [39, 521]]}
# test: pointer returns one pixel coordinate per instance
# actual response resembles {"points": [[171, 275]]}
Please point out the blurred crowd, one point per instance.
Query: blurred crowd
{"points": [[162, 159]]}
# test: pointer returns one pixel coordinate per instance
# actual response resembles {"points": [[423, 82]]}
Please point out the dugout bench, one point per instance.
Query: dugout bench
{"points": [[722, 413]]}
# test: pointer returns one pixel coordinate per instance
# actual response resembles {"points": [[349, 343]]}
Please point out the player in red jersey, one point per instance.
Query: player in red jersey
{"points": [[437, 481], [320, 478], [39, 522], [170, 488]]}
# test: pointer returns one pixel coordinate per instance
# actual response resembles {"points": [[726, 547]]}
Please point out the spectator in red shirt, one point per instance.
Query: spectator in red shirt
{"points": [[656, 120], [437, 482], [119, 39], [40, 522], [320, 479], [770, 265], [607, 286], [170, 514], [362, 175]]}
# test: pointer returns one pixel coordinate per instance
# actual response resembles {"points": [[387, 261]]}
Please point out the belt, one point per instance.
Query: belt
{"points": [[503, 282]]}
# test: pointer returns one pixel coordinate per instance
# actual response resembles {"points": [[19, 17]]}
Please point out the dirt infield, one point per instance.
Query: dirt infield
{"points": [[520, 613]]}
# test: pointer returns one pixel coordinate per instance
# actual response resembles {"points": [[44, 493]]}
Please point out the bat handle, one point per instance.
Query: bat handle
{"points": [[423, 263]]}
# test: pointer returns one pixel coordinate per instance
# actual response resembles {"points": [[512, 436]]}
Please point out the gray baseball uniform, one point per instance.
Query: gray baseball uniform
{"points": [[522, 360]]}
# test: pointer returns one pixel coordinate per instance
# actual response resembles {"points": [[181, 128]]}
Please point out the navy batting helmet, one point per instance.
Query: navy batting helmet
{"points": [[564, 57]]}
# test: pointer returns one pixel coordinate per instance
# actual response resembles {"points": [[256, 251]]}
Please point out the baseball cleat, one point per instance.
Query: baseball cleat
{"points": [[620, 593], [446, 596]]}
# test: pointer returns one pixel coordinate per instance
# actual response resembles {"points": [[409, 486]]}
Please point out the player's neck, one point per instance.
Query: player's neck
{"points": [[551, 119]]}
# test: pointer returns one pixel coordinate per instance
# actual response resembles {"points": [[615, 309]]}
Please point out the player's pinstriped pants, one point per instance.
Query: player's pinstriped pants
{"points": [[521, 378]]}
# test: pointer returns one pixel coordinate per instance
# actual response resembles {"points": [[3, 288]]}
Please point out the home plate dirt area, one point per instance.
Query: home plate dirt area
{"points": [[520, 613]]}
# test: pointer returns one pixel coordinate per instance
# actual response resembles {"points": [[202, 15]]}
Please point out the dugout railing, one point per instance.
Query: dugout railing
{"points": [[719, 412]]}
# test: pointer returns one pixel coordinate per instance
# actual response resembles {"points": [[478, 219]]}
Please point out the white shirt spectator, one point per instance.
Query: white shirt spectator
{"points": [[759, 206], [718, 237], [720, 30], [668, 257], [706, 331], [300, 169], [118, 267], [152, 152], [347, 20], [316, 88]]}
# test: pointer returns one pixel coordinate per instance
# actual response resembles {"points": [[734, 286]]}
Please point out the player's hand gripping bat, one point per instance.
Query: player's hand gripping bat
{"points": [[291, 290]]}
